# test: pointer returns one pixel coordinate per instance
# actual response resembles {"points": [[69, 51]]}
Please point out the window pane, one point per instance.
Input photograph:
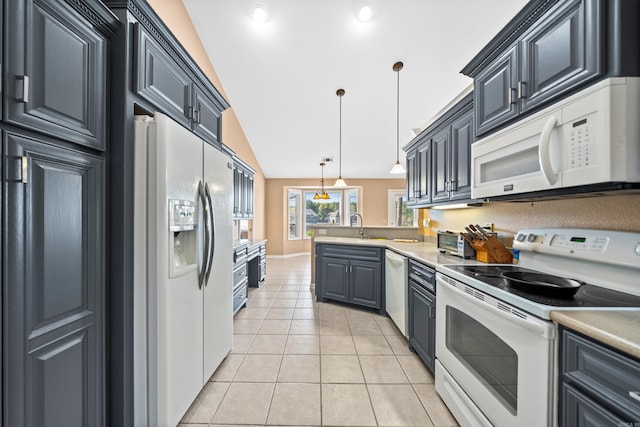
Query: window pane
{"points": [[294, 208], [351, 196], [404, 216], [322, 211]]}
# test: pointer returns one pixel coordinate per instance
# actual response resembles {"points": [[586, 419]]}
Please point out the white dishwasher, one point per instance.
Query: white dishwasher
{"points": [[396, 289]]}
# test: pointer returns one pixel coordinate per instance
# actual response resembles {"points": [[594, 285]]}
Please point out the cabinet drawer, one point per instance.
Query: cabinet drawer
{"points": [[422, 275], [580, 410], [602, 374], [351, 252], [239, 274]]}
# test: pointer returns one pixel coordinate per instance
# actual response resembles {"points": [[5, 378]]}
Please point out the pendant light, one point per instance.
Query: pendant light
{"points": [[397, 167], [322, 194], [340, 182]]}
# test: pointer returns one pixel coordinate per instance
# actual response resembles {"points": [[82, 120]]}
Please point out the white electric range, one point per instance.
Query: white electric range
{"points": [[495, 344]]}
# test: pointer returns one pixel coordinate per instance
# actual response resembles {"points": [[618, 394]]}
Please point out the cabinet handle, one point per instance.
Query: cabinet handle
{"points": [[521, 88], [635, 395], [453, 186], [24, 166], [431, 313], [22, 89], [512, 97], [196, 118]]}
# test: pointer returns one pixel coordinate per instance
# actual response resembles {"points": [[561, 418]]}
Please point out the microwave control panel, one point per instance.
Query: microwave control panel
{"points": [[582, 147]]}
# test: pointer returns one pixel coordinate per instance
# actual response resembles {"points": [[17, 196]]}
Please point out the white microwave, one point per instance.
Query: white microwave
{"points": [[591, 137]]}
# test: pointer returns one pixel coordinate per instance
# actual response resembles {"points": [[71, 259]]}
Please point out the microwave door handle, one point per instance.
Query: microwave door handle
{"points": [[544, 154]]}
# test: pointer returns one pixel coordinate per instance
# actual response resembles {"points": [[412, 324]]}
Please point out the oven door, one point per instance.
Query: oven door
{"points": [[501, 357]]}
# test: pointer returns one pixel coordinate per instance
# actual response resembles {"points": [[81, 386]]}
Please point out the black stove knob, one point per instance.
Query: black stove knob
{"points": [[531, 238]]}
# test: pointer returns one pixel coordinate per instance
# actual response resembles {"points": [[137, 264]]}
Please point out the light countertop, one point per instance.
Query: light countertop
{"points": [[619, 329]]}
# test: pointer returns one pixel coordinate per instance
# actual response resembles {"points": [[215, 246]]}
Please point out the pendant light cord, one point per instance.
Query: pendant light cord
{"points": [[340, 137], [398, 117]]}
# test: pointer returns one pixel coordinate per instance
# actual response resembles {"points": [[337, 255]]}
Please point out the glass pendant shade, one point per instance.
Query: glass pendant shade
{"points": [[398, 169], [340, 183]]}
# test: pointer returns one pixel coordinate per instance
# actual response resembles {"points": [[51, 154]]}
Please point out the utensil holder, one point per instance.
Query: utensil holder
{"points": [[492, 251]]}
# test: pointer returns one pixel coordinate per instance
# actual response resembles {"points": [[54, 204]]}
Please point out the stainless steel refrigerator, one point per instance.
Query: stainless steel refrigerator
{"points": [[183, 320]]}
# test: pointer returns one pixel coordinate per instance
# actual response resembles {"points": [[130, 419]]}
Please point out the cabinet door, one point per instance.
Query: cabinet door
{"points": [[495, 96], [335, 278], [249, 196], [366, 283], [461, 140], [54, 286], [441, 165], [159, 79], [561, 52], [237, 190], [56, 72], [422, 324], [578, 410], [412, 180], [424, 172], [206, 116]]}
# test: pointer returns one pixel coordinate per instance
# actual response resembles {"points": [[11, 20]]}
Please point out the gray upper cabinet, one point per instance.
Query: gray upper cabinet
{"points": [[560, 52], [419, 173], [550, 49], [439, 159], [55, 76], [54, 303], [165, 82], [243, 191], [161, 80], [460, 170], [495, 92], [206, 122]]}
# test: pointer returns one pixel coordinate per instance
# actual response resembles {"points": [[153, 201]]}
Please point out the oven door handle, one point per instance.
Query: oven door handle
{"points": [[538, 327]]}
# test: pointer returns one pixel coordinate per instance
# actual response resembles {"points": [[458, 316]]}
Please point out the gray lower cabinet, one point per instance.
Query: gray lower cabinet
{"points": [[53, 276], [422, 313], [350, 274], [599, 386], [55, 72]]}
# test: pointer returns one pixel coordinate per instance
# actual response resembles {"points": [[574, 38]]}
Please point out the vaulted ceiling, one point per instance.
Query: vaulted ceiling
{"points": [[281, 76]]}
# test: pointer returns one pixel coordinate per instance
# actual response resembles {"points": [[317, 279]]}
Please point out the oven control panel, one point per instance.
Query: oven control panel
{"points": [[580, 242], [621, 248]]}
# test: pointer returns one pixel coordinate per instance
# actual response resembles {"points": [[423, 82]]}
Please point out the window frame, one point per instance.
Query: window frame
{"points": [[298, 194]]}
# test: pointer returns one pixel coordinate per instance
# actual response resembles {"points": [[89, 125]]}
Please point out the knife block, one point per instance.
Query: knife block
{"points": [[492, 251]]}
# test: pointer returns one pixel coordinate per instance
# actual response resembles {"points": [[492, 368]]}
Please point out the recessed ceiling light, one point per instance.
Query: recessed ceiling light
{"points": [[260, 15], [365, 13]]}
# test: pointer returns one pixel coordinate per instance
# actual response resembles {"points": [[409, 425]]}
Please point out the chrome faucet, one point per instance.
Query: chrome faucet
{"points": [[357, 215]]}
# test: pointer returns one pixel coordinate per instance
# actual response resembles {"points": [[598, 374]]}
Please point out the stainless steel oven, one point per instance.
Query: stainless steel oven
{"points": [[495, 342]]}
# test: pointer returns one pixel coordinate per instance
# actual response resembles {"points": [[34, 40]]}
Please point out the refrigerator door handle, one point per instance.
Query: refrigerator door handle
{"points": [[212, 232], [205, 255]]}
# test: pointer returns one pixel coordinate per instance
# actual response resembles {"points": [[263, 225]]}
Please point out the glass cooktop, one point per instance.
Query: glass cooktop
{"points": [[587, 296]]}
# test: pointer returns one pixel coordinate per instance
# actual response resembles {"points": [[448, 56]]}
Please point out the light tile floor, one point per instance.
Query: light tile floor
{"points": [[299, 363]]}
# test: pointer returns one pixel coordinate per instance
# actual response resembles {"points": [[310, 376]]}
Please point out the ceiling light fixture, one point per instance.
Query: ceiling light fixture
{"points": [[260, 15], [397, 168], [322, 194], [340, 182], [365, 13]]}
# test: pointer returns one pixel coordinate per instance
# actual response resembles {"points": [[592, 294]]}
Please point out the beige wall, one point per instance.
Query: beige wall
{"points": [[373, 209], [614, 212], [175, 16]]}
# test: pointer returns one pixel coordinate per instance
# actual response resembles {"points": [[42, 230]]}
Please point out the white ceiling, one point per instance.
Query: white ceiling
{"points": [[281, 77]]}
